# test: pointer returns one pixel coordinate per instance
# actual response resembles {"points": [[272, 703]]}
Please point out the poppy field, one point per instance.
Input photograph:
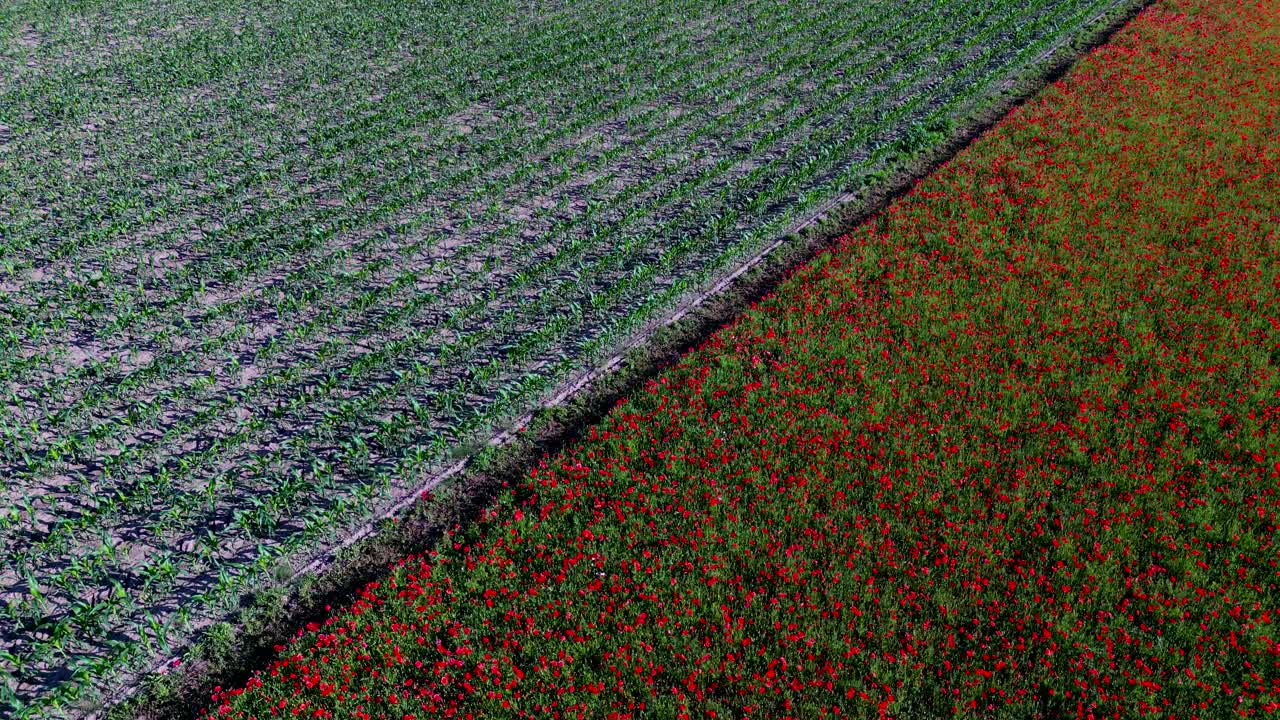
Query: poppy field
{"points": [[1010, 449], [266, 267]]}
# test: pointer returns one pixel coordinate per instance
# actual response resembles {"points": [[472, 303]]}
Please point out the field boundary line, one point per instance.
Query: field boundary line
{"points": [[970, 125], [574, 385]]}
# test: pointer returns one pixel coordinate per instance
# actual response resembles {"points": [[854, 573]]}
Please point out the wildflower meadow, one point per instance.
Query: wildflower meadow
{"points": [[1009, 449]]}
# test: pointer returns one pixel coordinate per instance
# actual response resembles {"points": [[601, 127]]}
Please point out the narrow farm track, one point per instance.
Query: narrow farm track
{"points": [[264, 265], [1011, 449]]}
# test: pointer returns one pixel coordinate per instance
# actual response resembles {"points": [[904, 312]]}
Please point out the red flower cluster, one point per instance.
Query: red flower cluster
{"points": [[1011, 450]]}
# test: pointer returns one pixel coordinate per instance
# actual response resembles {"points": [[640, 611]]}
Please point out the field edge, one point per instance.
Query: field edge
{"points": [[226, 653]]}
